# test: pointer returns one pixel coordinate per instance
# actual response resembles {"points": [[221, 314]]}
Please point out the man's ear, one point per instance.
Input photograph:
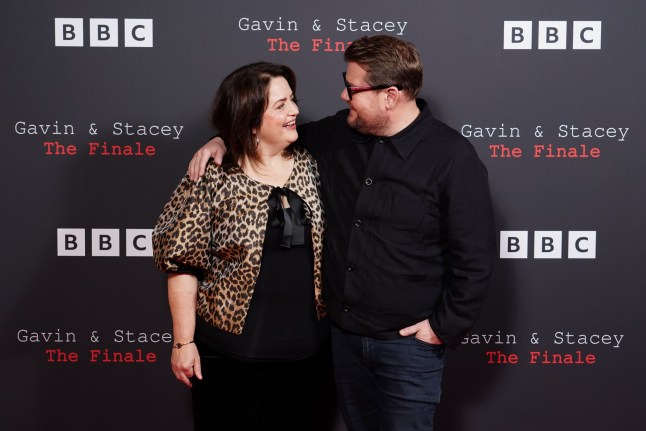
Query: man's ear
{"points": [[393, 96]]}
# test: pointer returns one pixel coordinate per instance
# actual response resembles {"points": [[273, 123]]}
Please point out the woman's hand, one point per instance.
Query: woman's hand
{"points": [[185, 363]]}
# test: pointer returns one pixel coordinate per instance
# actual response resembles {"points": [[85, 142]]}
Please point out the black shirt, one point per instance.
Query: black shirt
{"points": [[410, 226], [281, 323]]}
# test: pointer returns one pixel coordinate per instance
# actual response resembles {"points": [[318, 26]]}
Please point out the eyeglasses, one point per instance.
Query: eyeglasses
{"points": [[354, 90]]}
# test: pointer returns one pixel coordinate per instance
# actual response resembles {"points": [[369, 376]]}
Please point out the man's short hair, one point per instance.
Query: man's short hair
{"points": [[388, 60]]}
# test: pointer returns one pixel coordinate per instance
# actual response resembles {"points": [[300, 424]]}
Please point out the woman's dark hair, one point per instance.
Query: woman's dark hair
{"points": [[239, 105]]}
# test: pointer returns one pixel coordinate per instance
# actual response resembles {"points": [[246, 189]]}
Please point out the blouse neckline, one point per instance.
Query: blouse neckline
{"points": [[292, 172]]}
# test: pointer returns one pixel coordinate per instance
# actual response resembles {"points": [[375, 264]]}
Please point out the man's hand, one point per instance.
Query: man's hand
{"points": [[422, 331], [213, 149]]}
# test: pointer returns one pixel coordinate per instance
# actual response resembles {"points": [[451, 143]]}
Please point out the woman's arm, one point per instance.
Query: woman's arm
{"points": [[182, 298]]}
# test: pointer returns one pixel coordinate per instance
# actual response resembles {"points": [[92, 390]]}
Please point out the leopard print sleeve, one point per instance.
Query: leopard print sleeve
{"points": [[182, 234]]}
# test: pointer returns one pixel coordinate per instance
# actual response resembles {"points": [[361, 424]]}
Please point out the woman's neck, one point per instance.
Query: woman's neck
{"points": [[271, 168]]}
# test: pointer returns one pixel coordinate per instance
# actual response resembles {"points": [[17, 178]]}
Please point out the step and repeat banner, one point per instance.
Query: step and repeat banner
{"points": [[103, 104]]}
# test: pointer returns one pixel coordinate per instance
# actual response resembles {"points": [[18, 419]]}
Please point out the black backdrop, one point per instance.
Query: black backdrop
{"points": [[76, 224]]}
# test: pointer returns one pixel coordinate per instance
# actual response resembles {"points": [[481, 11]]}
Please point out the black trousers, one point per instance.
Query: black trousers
{"points": [[242, 396]]}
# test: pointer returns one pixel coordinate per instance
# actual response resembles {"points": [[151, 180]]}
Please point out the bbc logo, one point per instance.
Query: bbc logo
{"points": [[105, 242], [548, 244], [104, 32], [552, 35]]}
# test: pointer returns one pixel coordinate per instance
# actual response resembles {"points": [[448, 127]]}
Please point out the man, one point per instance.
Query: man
{"points": [[410, 245]]}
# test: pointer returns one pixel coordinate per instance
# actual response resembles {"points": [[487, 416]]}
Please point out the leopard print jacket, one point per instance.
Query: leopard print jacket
{"points": [[215, 228]]}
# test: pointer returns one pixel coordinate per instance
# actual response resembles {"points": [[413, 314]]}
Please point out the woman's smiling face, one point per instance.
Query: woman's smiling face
{"points": [[278, 127]]}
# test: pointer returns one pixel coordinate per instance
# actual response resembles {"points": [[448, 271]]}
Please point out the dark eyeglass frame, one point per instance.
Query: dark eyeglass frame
{"points": [[360, 89]]}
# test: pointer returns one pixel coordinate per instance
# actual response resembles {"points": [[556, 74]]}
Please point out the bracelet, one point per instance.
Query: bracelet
{"points": [[180, 345]]}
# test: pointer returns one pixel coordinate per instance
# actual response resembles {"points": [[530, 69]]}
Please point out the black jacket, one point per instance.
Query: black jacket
{"points": [[410, 227]]}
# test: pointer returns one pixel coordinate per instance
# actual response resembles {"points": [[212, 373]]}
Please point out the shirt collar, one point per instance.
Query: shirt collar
{"points": [[406, 140]]}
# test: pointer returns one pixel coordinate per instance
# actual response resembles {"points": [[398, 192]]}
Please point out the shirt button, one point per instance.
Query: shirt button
{"points": [[346, 308], [357, 223], [350, 268], [381, 141], [368, 181]]}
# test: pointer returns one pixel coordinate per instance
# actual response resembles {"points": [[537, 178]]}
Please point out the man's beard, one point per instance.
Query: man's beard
{"points": [[375, 127]]}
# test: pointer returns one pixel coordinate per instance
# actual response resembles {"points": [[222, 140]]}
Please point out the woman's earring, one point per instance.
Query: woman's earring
{"points": [[253, 132]]}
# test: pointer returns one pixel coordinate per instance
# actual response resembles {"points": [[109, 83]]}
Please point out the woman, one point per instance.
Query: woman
{"points": [[243, 246]]}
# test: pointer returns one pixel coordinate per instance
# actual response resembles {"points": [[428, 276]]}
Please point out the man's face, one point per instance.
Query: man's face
{"points": [[367, 108]]}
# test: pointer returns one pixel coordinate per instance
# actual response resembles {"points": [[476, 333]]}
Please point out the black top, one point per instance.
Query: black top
{"points": [[281, 323], [410, 227]]}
